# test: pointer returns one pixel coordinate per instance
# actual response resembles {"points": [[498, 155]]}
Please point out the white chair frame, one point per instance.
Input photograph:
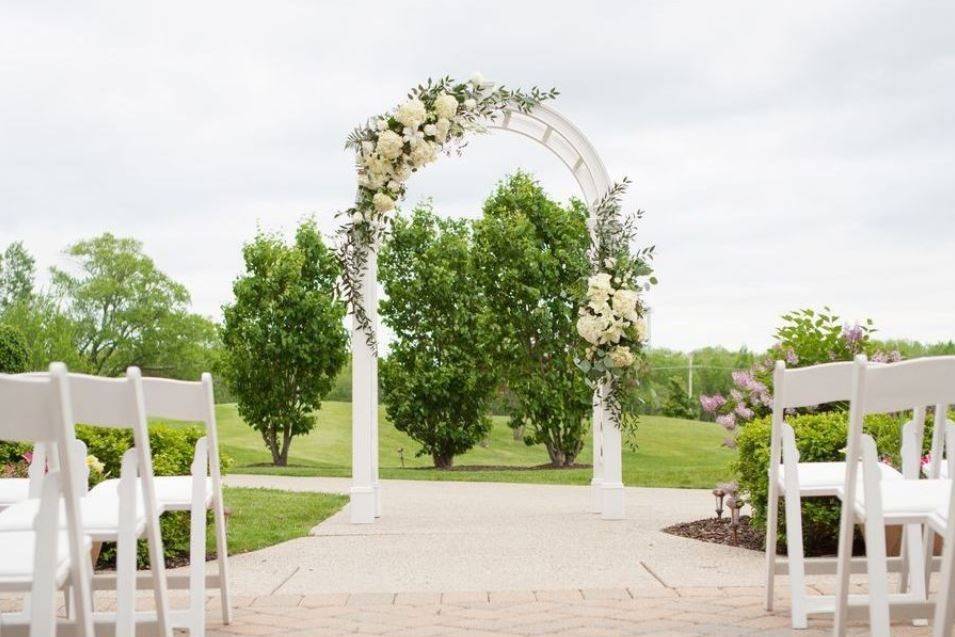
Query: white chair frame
{"points": [[38, 410], [894, 388], [792, 389], [193, 402], [118, 403]]}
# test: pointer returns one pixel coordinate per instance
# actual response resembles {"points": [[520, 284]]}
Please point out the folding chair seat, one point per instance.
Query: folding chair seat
{"points": [[826, 479], [13, 490], [18, 566]]}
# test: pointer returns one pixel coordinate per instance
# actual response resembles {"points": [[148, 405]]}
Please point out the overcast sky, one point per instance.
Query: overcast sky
{"points": [[787, 154]]}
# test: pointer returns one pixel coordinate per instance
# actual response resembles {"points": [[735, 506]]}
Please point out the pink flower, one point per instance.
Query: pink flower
{"points": [[727, 421], [743, 411], [742, 379], [711, 403]]}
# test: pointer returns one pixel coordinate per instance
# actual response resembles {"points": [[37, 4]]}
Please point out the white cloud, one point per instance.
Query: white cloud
{"points": [[787, 155]]}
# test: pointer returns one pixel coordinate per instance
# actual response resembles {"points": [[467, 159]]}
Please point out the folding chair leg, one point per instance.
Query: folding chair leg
{"points": [[197, 558], [772, 523], [43, 592], [875, 542], [126, 549], [222, 557], [794, 544]]}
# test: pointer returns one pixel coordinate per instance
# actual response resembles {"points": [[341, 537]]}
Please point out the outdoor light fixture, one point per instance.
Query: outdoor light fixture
{"points": [[719, 494]]}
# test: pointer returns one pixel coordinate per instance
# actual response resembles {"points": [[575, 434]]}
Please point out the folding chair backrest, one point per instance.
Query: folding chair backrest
{"points": [[186, 400], [920, 382], [811, 386], [27, 409]]}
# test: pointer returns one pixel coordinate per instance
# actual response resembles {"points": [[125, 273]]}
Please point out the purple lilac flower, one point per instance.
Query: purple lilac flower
{"points": [[742, 379], [743, 411], [766, 399], [852, 335], [727, 421], [736, 395], [791, 358], [711, 403], [886, 357]]}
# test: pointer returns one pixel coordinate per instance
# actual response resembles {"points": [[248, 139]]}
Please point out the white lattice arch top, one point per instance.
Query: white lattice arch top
{"points": [[552, 130], [555, 132]]}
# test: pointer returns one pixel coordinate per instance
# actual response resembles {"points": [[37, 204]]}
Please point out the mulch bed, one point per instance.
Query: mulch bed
{"points": [[720, 531]]}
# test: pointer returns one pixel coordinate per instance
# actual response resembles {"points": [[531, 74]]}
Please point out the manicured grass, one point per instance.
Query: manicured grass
{"points": [[671, 453], [263, 517]]}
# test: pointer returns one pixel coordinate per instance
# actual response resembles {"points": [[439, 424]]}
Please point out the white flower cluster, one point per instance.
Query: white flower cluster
{"points": [[611, 322], [410, 137]]}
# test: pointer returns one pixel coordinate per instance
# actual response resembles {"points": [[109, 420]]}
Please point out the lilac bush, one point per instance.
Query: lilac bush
{"points": [[806, 337]]}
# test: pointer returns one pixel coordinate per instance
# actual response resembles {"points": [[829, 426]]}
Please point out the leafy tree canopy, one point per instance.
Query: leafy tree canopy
{"points": [[439, 377], [531, 257], [284, 336]]}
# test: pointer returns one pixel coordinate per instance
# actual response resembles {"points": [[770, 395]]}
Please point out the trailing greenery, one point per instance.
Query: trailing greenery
{"points": [[439, 376], [390, 147], [284, 337], [531, 254]]}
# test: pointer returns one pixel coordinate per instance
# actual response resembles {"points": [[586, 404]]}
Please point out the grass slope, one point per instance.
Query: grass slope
{"points": [[263, 517], [671, 453]]}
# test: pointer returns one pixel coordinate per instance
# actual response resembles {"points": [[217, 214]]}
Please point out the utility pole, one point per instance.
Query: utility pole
{"points": [[689, 373]]}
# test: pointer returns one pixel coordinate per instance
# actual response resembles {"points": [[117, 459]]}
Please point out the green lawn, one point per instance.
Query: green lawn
{"points": [[288, 515], [671, 453]]}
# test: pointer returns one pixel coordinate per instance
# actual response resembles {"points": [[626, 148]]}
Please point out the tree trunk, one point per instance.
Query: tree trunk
{"points": [[559, 457], [519, 433], [442, 461]]}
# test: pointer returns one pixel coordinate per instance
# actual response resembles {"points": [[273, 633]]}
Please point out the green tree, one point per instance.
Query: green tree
{"points": [[438, 379], [284, 338], [531, 255], [13, 350], [17, 269], [125, 311]]}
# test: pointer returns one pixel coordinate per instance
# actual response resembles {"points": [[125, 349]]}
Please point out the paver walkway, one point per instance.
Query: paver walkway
{"points": [[605, 613]]}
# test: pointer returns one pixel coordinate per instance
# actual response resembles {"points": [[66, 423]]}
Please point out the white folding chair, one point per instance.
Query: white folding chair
{"points": [[795, 480], [911, 502], [52, 552], [197, 493], [126, 514]]}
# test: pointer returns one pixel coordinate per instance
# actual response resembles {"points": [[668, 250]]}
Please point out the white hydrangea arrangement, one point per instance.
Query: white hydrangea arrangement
{"points": [[389, 148], [612, 316]]}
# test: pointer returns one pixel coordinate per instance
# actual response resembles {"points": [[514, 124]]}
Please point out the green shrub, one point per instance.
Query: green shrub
{"points": [[13, 350], [820, 437]]}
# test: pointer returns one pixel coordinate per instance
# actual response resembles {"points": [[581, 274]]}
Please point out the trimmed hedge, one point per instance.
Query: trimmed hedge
{"points": [[820, 437]]}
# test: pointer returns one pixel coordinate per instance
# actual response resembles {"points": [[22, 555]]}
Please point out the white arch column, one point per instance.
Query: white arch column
{"points": [[550, 129]]}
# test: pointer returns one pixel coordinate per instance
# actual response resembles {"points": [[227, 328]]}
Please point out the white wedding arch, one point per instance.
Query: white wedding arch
{"points": [[544, 125]]}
